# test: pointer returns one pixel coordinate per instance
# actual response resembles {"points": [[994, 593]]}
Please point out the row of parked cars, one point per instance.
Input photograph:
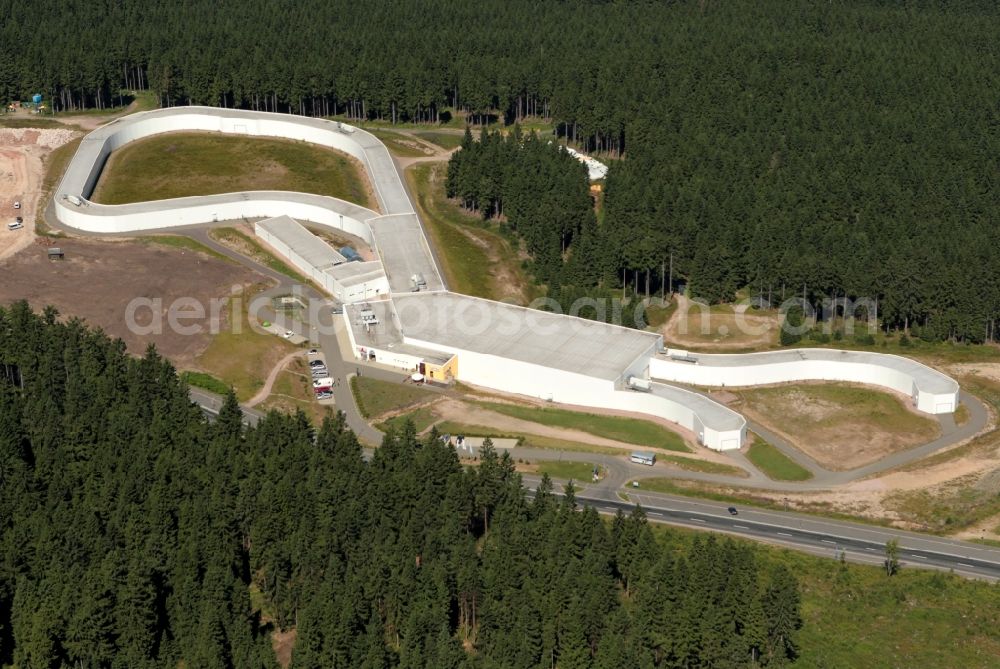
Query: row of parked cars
{"points": [[322, 383]]}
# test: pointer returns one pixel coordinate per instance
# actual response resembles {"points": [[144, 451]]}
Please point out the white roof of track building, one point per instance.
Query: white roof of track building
{"points": [[311, 248], [542, 338], [709, 412], [403, 248], [351, 273], [385, 334]]}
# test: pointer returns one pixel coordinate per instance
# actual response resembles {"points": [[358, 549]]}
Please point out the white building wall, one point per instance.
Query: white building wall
{"points": [[805, 369], [319, 209], [522, 378], [640, 368], [366, 290], [680, 412]]}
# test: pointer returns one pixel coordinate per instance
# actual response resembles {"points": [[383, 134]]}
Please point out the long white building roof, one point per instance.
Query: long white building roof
{"points": [[308, 246], [538, 337]]}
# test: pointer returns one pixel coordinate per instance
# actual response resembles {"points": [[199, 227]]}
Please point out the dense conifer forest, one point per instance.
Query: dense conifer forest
{"points": [[541, 194], [135, 533], [790, 147]]}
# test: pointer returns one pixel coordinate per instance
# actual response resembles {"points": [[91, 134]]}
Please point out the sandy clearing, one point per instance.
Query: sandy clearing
{"points": [[835, 436], [739, 330], [22, 170], [988, 528], [989, 370], [98, 279]]}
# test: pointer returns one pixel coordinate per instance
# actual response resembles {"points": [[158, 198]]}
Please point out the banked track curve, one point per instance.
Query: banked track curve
{"points": [[717, 426]]}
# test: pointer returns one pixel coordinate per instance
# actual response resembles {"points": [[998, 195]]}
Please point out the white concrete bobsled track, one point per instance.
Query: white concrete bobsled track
{"points": [[397, 237], [930, 391]]}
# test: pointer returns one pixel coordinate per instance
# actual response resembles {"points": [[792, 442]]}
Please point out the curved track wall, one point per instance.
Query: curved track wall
{"points": [[930, 391], [397, 237]]}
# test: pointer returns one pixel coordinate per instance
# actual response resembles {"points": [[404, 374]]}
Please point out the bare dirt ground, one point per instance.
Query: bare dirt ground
{"points": [[283, 642], [837, 435], [97, 280], [22, 155], [433, 152], [741, 329], [944, 482], [989, 370], [339, 238], [269, 383]]}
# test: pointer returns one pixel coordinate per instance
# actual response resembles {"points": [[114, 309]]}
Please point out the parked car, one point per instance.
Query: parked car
{"points": [[288, 334], [314, 351], [320, 373], [324, 395], [317, 363], [17, 204], [15, 225]]}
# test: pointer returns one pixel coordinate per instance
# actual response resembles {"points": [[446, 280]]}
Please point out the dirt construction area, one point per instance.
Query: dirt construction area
{"points": [[22, 154], [97, 280], [842, 426], [720, 328]]}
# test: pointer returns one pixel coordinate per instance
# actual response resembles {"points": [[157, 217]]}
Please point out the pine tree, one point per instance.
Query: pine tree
{"points": [[781, 607]]}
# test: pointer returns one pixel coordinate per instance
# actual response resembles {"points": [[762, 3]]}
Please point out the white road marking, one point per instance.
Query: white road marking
{"points": [[920, 557], [784, 534], [827, 541], [966, 565], [741, 527], [697, 520]]}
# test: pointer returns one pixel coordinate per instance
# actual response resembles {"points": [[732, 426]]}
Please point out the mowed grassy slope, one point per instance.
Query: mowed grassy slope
{"points": [[775, 464], [240, 357], [475, 259], [567, 470], [376, 397], [185, 164], [619, 428]]}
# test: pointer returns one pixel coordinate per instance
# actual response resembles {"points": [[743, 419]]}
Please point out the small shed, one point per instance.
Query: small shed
{"points": [[56, 253]]}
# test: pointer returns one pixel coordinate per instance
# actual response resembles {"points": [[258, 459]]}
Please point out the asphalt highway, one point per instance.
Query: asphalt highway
{"points": [[830, 538], [819, 536]]}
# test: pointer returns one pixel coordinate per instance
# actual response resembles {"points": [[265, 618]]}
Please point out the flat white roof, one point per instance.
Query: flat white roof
{"points": [[542, 338], [385, 335], [709, 412], [927, 379], [403, 248], [352, 273], [314, 250]]}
